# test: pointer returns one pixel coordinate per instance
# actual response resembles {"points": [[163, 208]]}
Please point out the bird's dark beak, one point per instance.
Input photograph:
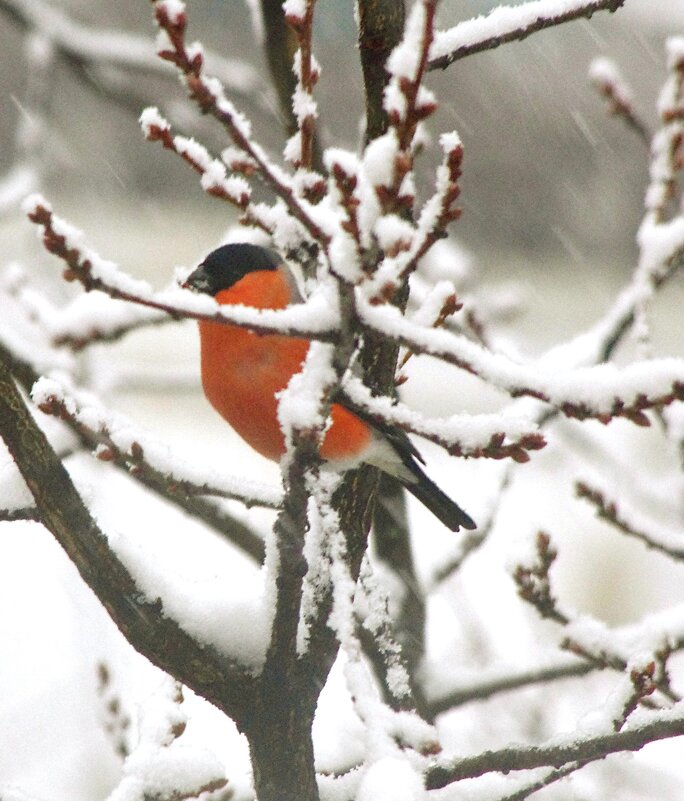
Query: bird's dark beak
{"points": [[198, 281]]}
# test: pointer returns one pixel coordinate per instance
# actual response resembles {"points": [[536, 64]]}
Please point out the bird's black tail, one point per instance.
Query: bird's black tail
{"points": [[438, 502], [408, 471]]}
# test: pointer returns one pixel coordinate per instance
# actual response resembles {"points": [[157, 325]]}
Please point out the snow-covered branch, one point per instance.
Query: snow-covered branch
{"points": [[509, 24], [210, 97], [587, 638], [142, 619], [602, 392], [118, 439], [470, 436], [95, 273], [559, 751], [299, 150], [93, 437], [625, 521], [610, 84]]}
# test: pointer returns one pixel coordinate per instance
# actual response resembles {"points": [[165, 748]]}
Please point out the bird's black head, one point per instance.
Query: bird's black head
{"points": [[226, 265]]}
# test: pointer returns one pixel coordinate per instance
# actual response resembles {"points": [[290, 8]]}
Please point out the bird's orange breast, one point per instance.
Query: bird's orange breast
{"points": [[243, 371]]}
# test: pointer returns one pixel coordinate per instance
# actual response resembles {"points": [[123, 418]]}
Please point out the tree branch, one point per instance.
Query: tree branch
{"points": [[144, 623], [504, 24], [560, 752], [205, 510], [86, 267], [381, 26]]}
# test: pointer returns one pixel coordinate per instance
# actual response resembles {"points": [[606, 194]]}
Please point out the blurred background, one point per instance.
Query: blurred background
{"points": [[552, 193], [546, 172]]}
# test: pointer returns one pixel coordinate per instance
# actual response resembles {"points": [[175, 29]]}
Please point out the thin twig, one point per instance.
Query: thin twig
{"points": [[608, 510], [609, 83]]}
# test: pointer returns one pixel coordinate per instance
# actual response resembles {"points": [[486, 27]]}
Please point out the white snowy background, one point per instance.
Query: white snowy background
{"points": [[53, 633]]}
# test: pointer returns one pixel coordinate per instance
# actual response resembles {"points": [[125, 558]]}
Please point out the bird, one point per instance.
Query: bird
{"points": [[243, 372]]}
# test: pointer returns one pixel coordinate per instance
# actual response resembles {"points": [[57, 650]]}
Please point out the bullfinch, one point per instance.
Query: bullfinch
{"points": [[243, 372]]}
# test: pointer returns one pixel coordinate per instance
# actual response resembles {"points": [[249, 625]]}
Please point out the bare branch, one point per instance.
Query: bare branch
{"points": [[501, 681], [279, 48], [19, 513], [501, 26], [381, 25]]}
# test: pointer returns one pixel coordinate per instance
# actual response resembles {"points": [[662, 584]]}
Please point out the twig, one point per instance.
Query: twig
{"points": [[210, 98], [667, 156], [19, 513], [501, 26], [491, 442], [86, 267], [534, 586], [399, 643], [116, 722], [133, 459], [609, 83], [608, 510], [512, 679], [306, 70], [519, 380]]}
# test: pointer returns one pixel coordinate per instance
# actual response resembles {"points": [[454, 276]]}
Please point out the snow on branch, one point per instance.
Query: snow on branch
{"points": [[404, 243], [314, 319], [668, 144], [162, 765], [87, 319], [119, 440], [300, 148], [610, 84], [490, 436], [509, 24], [150, 628], [657, 632], [14, 514], [602, 392], [630, 522], [584, 747], [406, 101], [210, 97], [27, 373], [215, 180], [588, 638]]}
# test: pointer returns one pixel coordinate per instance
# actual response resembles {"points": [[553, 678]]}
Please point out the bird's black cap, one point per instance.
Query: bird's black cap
{"points": [[226, 265]]}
